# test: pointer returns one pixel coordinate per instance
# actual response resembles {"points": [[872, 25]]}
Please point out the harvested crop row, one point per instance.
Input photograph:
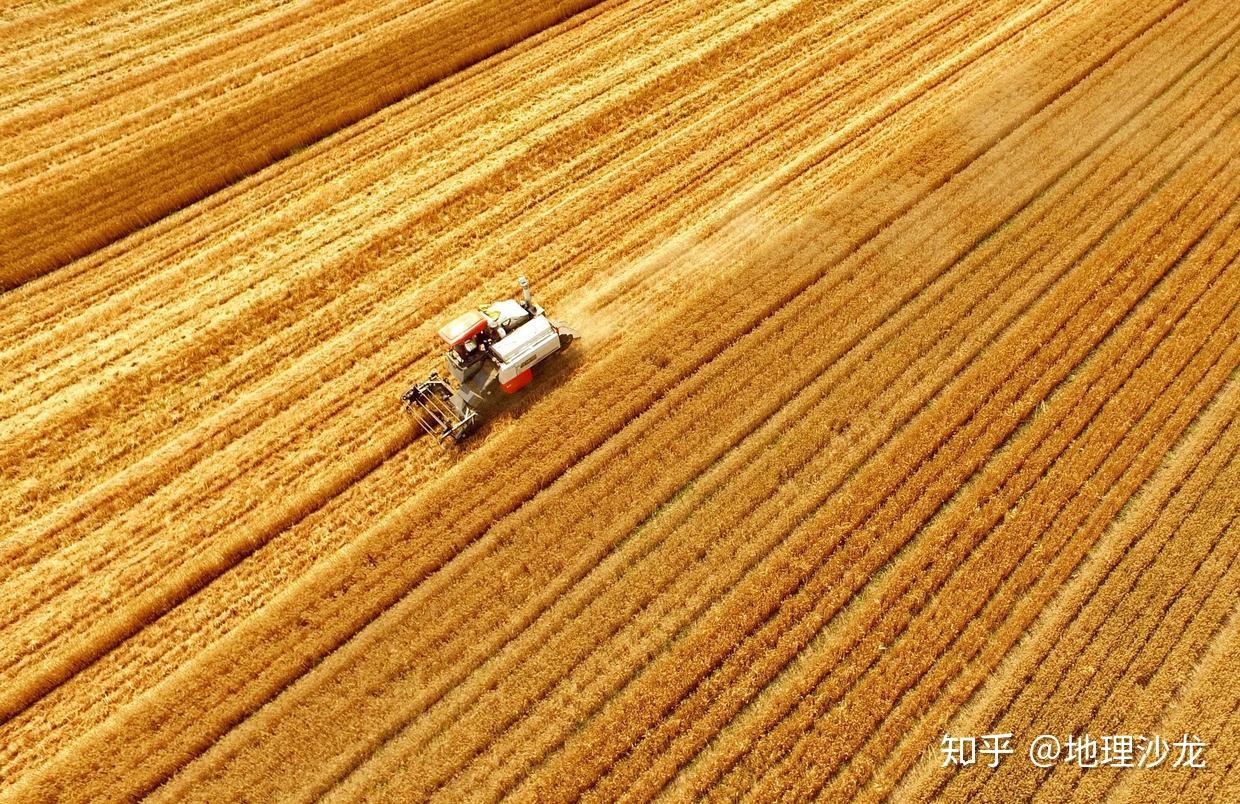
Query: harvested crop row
{"points": [[140, 268], [243, 95], [94, 46]]}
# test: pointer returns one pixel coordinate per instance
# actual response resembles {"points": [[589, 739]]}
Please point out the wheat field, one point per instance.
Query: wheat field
{"points": [[906, 402]]}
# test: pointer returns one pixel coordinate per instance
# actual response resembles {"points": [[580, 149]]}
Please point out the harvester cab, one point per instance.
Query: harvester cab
{"points": [[494, 347]]}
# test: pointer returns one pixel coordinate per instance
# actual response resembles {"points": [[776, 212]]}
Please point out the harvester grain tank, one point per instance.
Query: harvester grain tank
{"points": [[494, 347]]}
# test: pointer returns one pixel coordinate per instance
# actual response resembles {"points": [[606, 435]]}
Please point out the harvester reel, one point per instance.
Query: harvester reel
{"points": [[431, 403]]}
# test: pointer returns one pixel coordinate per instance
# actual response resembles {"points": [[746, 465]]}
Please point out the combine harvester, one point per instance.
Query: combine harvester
{"points": [[497, 345]]}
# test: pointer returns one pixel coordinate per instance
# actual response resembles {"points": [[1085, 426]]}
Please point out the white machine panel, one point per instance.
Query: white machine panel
{"points": [[526, 346]]}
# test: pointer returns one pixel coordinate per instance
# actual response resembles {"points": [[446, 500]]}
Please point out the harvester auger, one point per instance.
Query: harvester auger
{"points": [[495, 346]]}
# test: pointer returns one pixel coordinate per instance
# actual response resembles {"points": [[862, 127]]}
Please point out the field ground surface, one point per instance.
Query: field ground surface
{"points": [[906, 401]]}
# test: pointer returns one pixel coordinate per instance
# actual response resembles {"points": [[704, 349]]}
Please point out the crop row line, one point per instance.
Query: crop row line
{"points": [[794, 439], [894, 595]]}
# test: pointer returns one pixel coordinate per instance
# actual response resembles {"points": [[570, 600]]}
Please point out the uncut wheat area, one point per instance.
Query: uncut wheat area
{"points": [[768, 400]]}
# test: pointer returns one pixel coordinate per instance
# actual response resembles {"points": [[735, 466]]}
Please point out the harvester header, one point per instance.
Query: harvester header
{"points": [[496, 346]]}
